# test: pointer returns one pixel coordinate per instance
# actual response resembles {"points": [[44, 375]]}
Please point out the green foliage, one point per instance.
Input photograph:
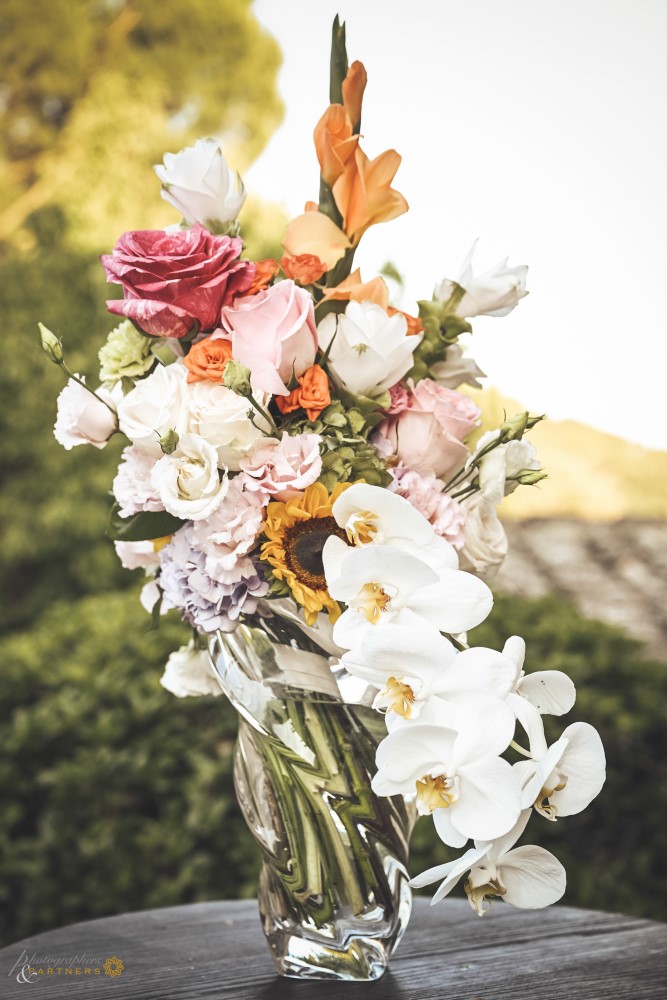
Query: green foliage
{"points": [[615, 851], [116, 796]]}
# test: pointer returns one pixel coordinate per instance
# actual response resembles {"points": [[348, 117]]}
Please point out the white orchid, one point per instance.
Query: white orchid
{"points": [[527, 877], [542, 692], [369, 351], [493, 293], [415, 669], [383, 585], [562, 779], [371, 515], [457, 774], [198, 182]]}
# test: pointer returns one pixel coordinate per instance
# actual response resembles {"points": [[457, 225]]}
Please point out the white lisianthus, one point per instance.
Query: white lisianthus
{"points": [[499, 467], [189, 673], [457, 369], [188, 482], [413, 667], [485, 546], [157, 404], [219, 415], [384, 586], [198, 182], [457, 775], [138, 555], [493, 293], [372, 515], [527, 877], [561, 780], [369, 350], [83, 418]]}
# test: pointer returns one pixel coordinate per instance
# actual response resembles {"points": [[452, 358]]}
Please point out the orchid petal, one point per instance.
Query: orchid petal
{"points": [[533, 877]]}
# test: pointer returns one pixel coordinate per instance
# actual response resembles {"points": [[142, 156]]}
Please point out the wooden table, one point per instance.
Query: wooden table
{"points": [[217, 950]]}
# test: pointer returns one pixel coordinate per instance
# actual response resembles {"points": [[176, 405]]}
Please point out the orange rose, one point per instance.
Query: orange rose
{"points": [[312, 395], [266, 271], [304, 267], [415, 325], [353, 289], [364, 195], [334, 142], [208, 360]]}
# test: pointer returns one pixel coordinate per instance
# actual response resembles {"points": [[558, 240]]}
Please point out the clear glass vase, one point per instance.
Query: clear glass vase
{"points": [[333, 895]]}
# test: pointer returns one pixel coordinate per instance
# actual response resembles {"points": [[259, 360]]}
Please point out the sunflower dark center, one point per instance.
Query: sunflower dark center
{"points": [[304, 543]]}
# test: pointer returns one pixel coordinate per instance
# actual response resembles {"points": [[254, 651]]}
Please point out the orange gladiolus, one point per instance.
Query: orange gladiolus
{"points": [[364, 195], [207, 360], [356, 290], [354, 86], [415, 325], [304, 267], [312, 394], [334, 142]]}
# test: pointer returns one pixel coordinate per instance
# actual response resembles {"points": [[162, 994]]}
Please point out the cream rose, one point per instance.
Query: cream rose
{"points": [[156, 405], [221, 417], [83, 418], [188, 482], [485, 545]]}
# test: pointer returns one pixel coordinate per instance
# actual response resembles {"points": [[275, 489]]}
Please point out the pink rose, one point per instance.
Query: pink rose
{"points": [[83, 418], [273, 334], [399, 399], [282, 469], [428, 436], [426, 494], [176, 279]]}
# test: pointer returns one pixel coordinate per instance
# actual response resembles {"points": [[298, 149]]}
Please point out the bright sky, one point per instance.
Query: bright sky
{"points": [[539, 128]]}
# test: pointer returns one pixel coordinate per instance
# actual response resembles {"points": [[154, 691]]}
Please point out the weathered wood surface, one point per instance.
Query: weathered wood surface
{"points": [[217, 950]]}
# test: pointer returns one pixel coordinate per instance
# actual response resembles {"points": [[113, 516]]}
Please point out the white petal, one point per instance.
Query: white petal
{"points": [[450, 873], [333, 556], [515, 649], [483, 668], [397, 518], [583, 762], [501, 846], [410, 753], [540, 771], [489, 799], [458, 602], [533, 877], [485, 730], [550, 691], [531, 720], [442, 820]]}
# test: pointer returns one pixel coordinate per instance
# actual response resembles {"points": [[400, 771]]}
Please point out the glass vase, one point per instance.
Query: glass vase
{"points": [[333, 893]]}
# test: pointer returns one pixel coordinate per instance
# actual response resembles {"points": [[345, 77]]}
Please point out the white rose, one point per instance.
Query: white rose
{"points": [[221, 417], [189, 672], [187, 481], [198, 182], [485, 545], [82, 418], [493, 293], [371, 350], [156, 405], [500, 466]]}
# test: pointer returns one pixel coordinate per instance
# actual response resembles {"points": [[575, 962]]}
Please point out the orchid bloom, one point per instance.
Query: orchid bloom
{"points": [[527, 877], [457, 774], [542, 692], [382, 585], [417, 669]]}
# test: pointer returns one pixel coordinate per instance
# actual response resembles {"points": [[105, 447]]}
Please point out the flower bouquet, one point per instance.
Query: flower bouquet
{"points": [[305, 483]]}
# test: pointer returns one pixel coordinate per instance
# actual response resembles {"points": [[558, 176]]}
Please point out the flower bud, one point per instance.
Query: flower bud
{"points": [[529, 477], [237, 378], [51, 345], [513, 429], [169, 442]]}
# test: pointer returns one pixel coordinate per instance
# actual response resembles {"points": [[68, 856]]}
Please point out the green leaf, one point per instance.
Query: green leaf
{"points": [[141, 527], [339, 65]]}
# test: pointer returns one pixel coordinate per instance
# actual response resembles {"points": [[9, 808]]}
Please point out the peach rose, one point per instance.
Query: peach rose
{"points": [[312, 395], [304, 267], [266, 271], [428, 436], [208, 360], [273, 334]]}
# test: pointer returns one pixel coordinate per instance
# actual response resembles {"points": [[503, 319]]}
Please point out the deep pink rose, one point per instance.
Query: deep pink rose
{"points": [[273, 334], [428, 436], [174, 280]]}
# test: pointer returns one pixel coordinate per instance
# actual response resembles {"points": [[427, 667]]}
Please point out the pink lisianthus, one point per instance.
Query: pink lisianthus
{"points": [[428, 436], [133, 487], [273, 334], [426, 494], [281, 469], [173, 280], [83, 418], [231, 531], [400, 399]]}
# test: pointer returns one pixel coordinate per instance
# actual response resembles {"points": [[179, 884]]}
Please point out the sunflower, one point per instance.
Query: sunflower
{"points": [[296, 531]]}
